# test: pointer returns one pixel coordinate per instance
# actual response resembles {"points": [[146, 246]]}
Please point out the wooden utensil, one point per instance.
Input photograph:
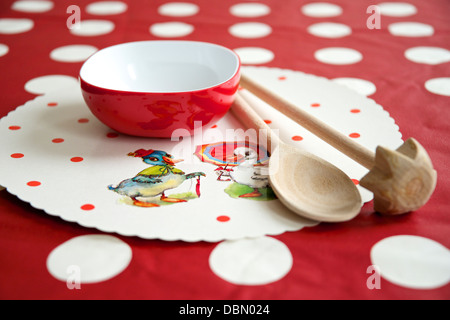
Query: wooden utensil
{"points": [[402, 180], [305, 183]]}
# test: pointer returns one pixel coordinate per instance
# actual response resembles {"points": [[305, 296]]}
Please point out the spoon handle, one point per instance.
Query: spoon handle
{"points": [[325, 132], [248, 116]]}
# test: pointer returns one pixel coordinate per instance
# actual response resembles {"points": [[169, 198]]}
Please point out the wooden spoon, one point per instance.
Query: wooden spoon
{"points": [[401, 180], [306, 184]]}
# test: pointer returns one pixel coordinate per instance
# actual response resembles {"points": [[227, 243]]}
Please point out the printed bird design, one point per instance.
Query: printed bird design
{"points": [[155, 180], [247, 173]]}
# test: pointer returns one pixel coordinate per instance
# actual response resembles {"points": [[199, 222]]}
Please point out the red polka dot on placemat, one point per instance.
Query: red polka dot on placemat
{"points": [[58, 140], [83, 120], [76, 159], [52, 104], [223, 218], [354, 135], [87, 207], [33, 183], [14, 128], [17, 155], [297, 138]]}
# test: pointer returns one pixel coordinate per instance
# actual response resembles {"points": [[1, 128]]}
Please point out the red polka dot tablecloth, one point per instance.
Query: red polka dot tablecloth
{"points": [[391, 54]]}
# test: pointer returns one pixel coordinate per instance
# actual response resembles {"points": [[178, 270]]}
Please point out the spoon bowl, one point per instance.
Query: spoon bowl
{"points": [[312, 187], [306, 184]]}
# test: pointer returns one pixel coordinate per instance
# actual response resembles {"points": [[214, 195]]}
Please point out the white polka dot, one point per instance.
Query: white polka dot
{"points": [[329, 30], [256, 261], [397, 9], [250, 30], [410, 29], [92, 28], [439, 86], [254, 55], [15, 25], [361, 86], [171, 29], [428, 55], [178, 9], [4, 49], [72, 53], [412, 261], [32, 6], [249, 10], [105, 8], [338, 56], [93, 258], [321, 10], [45, 84]]}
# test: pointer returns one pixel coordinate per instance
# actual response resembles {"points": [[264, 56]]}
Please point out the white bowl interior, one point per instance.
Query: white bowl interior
{"points": [[160, 66]]}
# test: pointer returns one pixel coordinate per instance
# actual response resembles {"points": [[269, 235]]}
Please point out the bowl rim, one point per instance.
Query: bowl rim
{"points": [[83, 81]]}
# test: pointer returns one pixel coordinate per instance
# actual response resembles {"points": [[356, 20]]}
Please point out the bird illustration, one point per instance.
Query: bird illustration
{"points": [[247, 173], [155, 180]]}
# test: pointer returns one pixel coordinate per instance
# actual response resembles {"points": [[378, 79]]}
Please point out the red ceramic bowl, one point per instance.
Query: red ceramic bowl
{"points": [[152, 88]]}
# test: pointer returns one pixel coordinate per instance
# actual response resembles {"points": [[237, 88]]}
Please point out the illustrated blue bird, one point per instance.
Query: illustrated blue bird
{"points": [[155, 180]]}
